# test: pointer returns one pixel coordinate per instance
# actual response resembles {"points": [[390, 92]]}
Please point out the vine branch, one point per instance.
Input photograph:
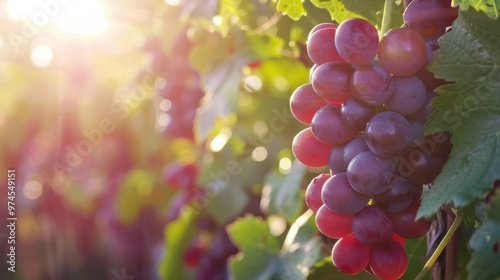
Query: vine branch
{"points": [[456, 223], [387, 16]]}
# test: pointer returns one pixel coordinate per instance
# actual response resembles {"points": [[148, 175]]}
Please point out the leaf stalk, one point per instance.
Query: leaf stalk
{"points": [[446, 239]]}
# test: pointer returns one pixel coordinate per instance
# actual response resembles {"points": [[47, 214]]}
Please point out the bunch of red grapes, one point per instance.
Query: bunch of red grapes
{"points": [[366, 120], [182, 91]]}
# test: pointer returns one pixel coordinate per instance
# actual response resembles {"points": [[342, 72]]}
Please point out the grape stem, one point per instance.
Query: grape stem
{"points": [[446, 239], [387, 16]]}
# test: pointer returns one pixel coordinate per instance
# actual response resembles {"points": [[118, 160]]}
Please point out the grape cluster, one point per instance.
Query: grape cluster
{"points": [[366, 120], [180, 95]]}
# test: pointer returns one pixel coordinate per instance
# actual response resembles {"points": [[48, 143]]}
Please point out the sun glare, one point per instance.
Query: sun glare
{"points": [[82, 17]]}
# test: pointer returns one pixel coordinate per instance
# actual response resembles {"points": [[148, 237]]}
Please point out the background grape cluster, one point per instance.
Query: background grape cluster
{"points": [[366, 120]]}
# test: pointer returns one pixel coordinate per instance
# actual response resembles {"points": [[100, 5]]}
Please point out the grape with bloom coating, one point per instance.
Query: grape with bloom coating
{"points": [[371, 85], [327, 126], [331, 81], [408, 97], [402, 52], [356, 41], [372, 225], [370, 174], [405, 224], [388, 133], [339, 196]]}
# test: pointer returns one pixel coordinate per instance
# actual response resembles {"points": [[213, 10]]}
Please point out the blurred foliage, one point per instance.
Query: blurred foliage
{"points": [[83, 124]]}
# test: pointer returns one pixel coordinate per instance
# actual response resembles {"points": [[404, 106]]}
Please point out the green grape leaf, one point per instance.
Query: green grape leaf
{"points": [[272, 183], [220, 61], [341, 10], [485, 261], [227, 203], [282, 193], [178, 234], [301, 249], [252, 232], [288, 200], [469, 108], [262, 257], [260, 249], [292, 8], [489, 7]]}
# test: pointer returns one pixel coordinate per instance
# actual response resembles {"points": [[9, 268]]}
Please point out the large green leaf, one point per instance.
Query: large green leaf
{"points": [[485, 262], [227, 203], [260, 249], [469, 108], [301, 249], [489, 7], [262, 257], [220, 60], [282, 193], [293, 8]]}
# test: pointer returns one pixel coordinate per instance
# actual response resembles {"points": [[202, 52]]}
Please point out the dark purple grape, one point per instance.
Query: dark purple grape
{"points": [[388, 133], [398, 197], [371, 85], [327, 126], [430, 17], [419, 167], [405, 224], [417, 132], [354, 148], [336, 160], [370, 174], [356, 41], [372, 225], [356, 114], [331, 81], [338, 195], [422, 114], [408, 97], [427, 77]]}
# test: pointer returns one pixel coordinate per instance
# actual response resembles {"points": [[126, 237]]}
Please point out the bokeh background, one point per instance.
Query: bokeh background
{"points": [[123, 117]]}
